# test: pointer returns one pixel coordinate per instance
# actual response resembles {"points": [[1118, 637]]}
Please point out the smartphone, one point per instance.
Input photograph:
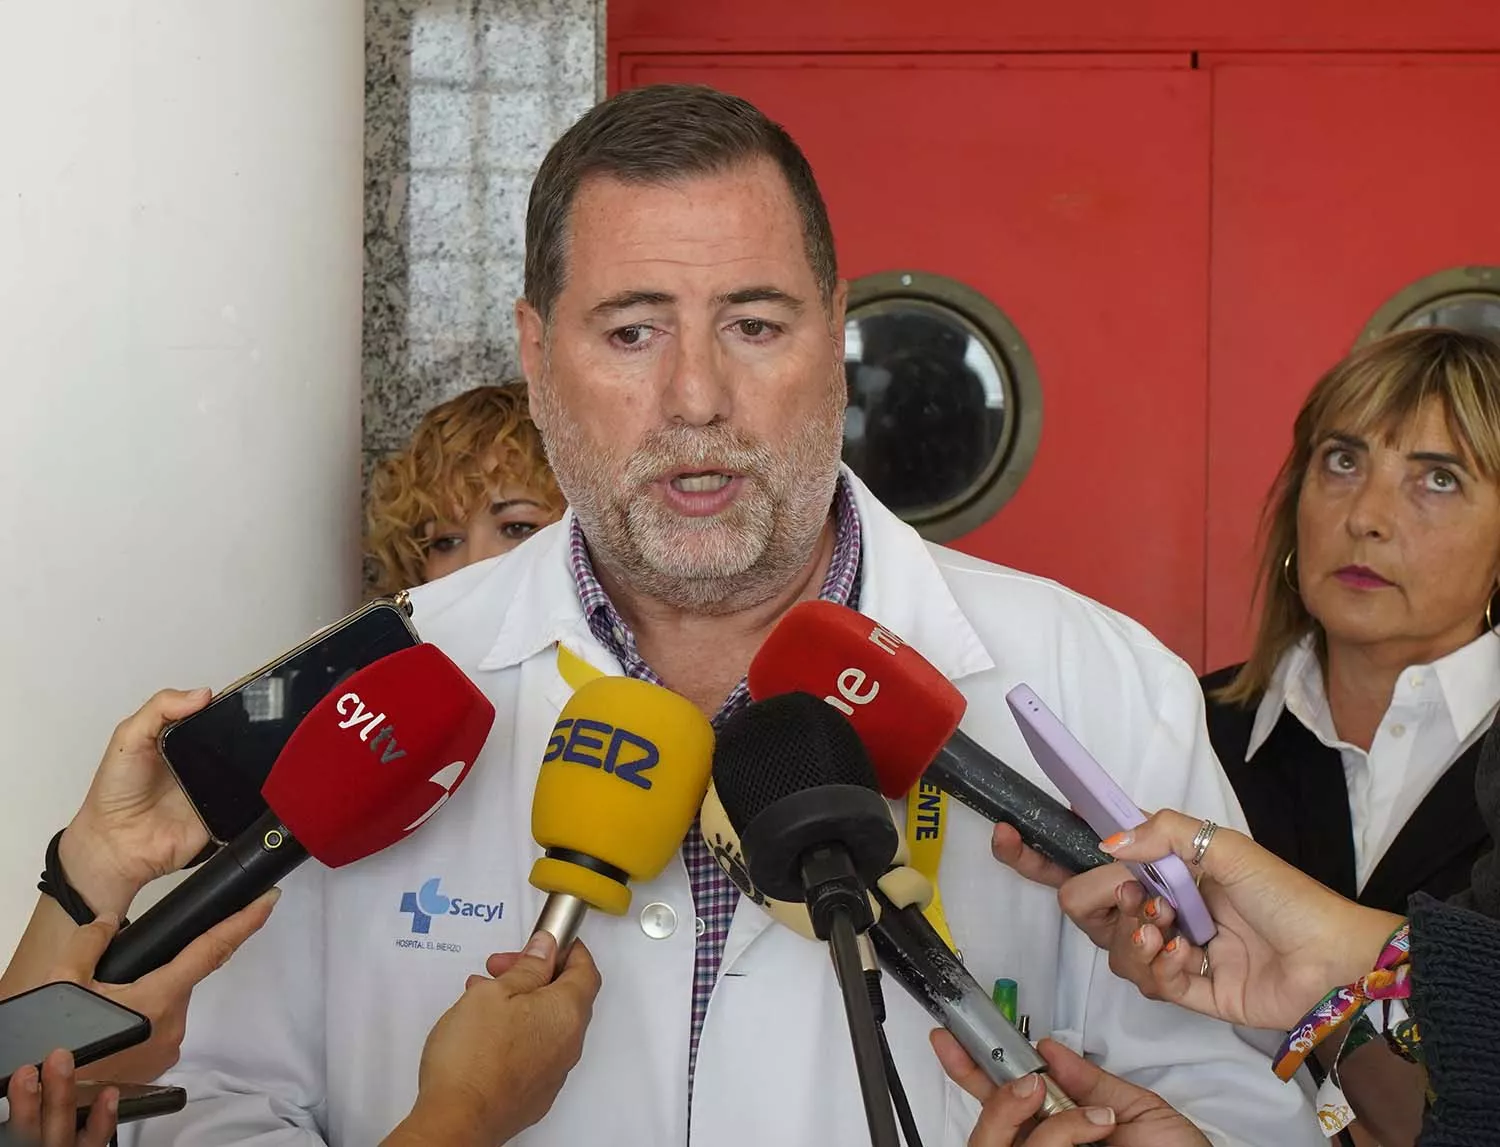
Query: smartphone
{"points": [[36, 1023], [1099, 800], [222, 754], [137, 1100]]}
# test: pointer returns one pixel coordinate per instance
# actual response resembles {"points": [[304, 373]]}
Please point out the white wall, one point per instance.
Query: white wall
{"points": [[180, 257]]}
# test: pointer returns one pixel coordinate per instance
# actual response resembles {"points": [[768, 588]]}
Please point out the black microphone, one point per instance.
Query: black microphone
{"points": [[797, 787], [912, 951]]}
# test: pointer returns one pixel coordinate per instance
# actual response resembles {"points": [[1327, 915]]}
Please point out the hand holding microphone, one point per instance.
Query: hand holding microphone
{"points": [[1109, 1106], [336, 793], [623, 776], [495, 1061]]}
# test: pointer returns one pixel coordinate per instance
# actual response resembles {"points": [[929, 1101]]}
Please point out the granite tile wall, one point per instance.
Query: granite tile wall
{"points": [[462, 100]]}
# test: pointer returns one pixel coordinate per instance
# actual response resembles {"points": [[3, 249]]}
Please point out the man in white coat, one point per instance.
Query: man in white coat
{"points": [[682, 332]]}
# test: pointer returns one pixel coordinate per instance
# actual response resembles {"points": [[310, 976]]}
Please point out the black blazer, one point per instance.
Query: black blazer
{"points": [[1297, 805]]}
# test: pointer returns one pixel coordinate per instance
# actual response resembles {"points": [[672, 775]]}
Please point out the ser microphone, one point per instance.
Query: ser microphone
{"points": [[913, 952], [622, 778], [907, 715], [369, 765]]}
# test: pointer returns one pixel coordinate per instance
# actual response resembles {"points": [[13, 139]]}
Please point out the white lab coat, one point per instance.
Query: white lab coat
{"points": [[314, 1030]]}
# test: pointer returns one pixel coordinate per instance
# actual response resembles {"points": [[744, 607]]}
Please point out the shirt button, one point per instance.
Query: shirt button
{"points": [[658, 920], [618, 634], [1398, 730], [699, 927], [1416, 680]]}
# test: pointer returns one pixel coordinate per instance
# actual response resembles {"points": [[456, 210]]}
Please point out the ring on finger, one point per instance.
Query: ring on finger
{"points": [[1202, 839]]}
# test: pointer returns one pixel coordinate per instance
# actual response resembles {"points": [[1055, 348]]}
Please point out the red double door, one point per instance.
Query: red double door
{"points": [[1186, 241]]}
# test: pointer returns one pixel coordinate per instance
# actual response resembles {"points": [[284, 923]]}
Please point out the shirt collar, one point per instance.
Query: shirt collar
{"points": [[1465, 684]]}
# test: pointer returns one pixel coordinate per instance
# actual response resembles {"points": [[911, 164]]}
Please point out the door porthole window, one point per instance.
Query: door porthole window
{"points": [[1466, 298], [945, 406]]}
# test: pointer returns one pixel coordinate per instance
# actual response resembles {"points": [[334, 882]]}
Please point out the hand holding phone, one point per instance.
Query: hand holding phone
{"points": [[222, 755], [135, 824], [64, 1015], [136, 1101], [1096, 797]]}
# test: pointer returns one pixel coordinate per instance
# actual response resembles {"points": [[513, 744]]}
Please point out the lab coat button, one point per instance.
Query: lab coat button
{"points": [[658, 920]]}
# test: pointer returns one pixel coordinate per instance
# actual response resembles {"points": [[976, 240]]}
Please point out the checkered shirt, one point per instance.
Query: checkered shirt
{"points": [[714, 894]]}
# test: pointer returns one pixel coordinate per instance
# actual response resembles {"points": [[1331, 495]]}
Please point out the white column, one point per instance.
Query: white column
{"points": [[180, 254]]}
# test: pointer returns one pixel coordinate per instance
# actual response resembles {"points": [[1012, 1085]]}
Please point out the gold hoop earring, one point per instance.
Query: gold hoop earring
{"points": [[1286, 570], [1489, 622]]}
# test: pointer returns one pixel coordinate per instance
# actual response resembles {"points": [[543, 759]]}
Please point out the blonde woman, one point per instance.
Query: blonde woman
{"points": [[472, 484], [1352, 731]]}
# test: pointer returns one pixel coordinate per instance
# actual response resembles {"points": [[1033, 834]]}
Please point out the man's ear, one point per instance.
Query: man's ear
{"points": [[531, 330]]}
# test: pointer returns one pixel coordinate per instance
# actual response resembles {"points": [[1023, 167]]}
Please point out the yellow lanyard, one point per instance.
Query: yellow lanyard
{"points": [[926, 822], [574, 669]]}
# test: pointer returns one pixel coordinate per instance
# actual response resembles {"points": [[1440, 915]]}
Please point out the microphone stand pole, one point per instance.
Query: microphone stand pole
{"points": [[829, 902]]}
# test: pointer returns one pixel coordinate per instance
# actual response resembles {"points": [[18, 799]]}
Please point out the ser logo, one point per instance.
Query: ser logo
{"points": [[581, 741], [428, 902]]}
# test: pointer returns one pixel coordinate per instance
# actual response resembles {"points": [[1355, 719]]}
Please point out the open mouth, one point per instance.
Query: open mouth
{"points": [[706, 482]]}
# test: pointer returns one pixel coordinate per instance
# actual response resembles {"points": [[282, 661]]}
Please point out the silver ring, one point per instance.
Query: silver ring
{"points": [[1203, 971], [1202, 839]]}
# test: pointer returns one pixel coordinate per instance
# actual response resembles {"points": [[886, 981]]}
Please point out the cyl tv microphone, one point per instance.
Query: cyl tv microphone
{"points": [[622, 779], [371, 763], [907, 715]]}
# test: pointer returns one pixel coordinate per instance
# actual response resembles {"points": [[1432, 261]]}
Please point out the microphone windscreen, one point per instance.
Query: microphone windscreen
{"points": [[378, 755], [622, 778], [909, 885], [903, 708], [780, 746]]}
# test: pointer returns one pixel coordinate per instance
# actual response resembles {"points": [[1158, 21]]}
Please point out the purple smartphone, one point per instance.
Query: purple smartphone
{"points": [[1095, 797]]}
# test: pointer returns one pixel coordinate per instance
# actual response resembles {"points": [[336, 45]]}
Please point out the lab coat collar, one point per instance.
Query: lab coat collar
{"points": [[902, 588]]}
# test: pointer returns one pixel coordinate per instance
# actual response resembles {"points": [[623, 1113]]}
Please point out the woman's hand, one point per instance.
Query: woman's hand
{"points": [[161, 996], [136, 823], [44, 1107], [1283, 939], [1131, 1116]]}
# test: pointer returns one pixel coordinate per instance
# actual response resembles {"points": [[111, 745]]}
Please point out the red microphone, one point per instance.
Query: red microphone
{"points": [[369, 765], [907, 715]]}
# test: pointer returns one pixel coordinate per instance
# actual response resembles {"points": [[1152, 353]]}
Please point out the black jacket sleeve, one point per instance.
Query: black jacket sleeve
{"points": [[1455, 959]]}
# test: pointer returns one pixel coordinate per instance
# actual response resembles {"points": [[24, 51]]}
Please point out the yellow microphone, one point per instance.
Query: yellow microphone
{"points": [[624, 773]]}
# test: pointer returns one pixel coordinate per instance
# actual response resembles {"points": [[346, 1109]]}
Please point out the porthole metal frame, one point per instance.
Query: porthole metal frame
{"points": [[1453, 284], [1019, 379]]}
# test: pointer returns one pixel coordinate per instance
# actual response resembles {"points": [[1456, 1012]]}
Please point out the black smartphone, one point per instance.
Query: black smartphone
{"points": [[222, 754], [64, 1015], [137, 1100]]}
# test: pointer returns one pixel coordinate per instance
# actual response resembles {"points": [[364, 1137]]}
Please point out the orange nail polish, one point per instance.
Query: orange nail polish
{"points": [[1119, 840], [1173, 944], [1138, 937], [1151, 908]]}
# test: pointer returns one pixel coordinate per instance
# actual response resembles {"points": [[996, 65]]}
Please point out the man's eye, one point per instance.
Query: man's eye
{"points": [[757, 328], [632, 336]]}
